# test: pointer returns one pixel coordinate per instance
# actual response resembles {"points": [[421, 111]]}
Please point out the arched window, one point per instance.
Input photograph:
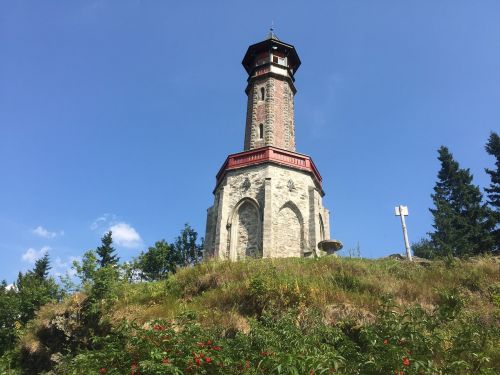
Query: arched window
{"points": [[261, 131], [262, 93]]}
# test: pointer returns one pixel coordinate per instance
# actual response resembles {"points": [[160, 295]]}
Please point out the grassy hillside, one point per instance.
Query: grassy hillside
{"points": [[303, 316]]}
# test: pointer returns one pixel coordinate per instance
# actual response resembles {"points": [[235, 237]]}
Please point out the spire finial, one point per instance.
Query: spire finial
{"points": [[271, 34]]}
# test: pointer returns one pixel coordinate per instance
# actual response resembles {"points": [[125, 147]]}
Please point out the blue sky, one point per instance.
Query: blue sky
{"points": [[119, 113]]}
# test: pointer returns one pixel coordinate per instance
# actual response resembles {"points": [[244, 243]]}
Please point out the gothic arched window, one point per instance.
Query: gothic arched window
{"points": [[261, 131]]}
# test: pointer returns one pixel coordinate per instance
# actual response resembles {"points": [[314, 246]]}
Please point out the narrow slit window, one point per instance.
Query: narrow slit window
{"points": [[261, 131], [262, 93]]}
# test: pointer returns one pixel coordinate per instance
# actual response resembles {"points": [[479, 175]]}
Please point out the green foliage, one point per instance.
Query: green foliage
{"points": [[157, 262], [277, 316], [347, 282], [106, 250], [493, 191], [407, 341], [461, 225], [424, 249], [163, 259], [9, 311], [33, 292], [450, 304], [187, 250], [42, 267], [87, 268], [19, 304]]}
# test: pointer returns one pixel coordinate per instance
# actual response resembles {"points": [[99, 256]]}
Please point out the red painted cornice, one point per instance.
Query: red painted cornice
{"points": [[273, 155]]}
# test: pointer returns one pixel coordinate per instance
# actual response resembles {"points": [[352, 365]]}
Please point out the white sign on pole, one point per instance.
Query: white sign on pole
{"points": [[398, 210], [403, 211]]}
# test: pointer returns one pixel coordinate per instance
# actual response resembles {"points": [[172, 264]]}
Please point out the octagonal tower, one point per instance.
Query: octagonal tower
{"points": [[268, 198], [271, 65]]}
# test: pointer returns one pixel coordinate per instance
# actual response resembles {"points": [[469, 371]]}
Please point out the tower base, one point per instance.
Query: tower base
{"points": [[268, 203]]}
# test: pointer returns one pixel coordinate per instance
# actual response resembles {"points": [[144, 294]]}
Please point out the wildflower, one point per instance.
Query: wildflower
{"points": [[165, 361], [197, 361], [311, 372], [264, 353], [209, 342], [247, 364], [216, 347], [133, 368], [406, 361], [103, 370], [386, 341], [158, 327], [208, 359]]}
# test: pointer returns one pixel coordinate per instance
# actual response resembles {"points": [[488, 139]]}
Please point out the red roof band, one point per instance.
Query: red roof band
{"points": [[274, 155]]}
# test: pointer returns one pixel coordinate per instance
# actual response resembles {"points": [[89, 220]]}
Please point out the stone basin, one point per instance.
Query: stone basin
{"points": [[330, 246]]}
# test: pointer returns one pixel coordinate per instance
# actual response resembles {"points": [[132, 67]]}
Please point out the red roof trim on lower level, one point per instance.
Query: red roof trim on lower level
{"points": [[274, 155]]}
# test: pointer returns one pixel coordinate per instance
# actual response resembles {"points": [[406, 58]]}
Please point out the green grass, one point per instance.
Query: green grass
{"points": [[248, 288]]}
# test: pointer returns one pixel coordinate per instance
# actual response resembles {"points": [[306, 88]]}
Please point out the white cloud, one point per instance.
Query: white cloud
{"points": [[42, 232], [125, 235], [31, 255], [64, 267], [101, 221]]}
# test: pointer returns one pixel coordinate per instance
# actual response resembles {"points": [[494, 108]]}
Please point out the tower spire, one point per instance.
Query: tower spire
{"points": [[271, 34], [271, 66]]}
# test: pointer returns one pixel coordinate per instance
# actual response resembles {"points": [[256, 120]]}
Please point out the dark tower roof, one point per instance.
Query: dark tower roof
{"points": [[272, 43]]}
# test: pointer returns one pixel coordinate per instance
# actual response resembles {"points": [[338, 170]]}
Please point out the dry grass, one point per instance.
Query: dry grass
{"points": [[225, 292]]}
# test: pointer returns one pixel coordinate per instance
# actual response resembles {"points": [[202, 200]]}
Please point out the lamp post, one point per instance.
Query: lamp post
{"points": [[403, 211]]}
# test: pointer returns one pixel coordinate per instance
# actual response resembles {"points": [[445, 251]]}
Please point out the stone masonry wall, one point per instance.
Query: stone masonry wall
{"points": [[275, 112], [285, 206]]}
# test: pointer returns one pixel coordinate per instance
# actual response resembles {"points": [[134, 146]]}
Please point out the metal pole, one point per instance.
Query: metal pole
{"points": [[405, 234]]}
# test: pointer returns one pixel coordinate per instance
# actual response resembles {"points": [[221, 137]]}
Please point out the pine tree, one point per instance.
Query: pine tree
{"points": [[460, 218], [42, 267], [35, 288], [493, 191], [106, 250]]}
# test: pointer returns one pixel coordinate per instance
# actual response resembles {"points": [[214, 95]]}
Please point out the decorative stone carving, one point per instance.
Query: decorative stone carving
{"points": [[246, 184], [290, 185]]}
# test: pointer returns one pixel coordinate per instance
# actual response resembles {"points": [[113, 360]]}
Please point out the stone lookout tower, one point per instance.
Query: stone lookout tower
{"points": [[268, 198]]}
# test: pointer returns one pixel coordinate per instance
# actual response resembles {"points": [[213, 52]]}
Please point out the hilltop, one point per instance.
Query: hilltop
{"points": [[303, 316]]}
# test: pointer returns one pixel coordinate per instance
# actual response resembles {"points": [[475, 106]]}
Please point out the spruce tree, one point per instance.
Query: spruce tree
{"points": [[493, 191], [106, 250], [460, 218], [42, 267]]}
